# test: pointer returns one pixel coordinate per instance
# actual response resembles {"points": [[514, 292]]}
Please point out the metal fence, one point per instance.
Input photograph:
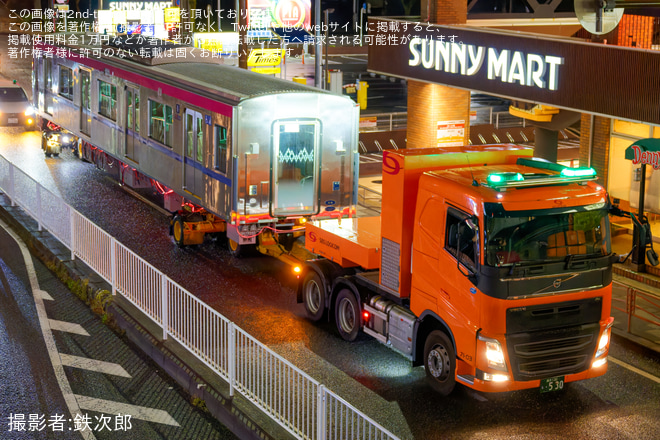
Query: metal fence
{"points": [[299, 403], [641, 309], [399, 120]]}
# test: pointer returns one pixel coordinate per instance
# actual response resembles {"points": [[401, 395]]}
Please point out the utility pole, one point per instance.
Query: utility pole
{"points": [[317, 44], [243, 48]]}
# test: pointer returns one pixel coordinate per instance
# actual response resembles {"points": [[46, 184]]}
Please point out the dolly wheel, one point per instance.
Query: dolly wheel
{"points": [[177, 231]]}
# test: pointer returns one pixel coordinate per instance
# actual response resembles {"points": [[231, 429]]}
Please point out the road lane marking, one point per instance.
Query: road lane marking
{"points": [[49, 340], [93, 365], [135, 411], [70, 327], [635, 369], [44, 295]]}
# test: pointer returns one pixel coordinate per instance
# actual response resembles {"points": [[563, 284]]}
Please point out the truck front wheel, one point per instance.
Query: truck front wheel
{"points": [[440, 362], [313, 296], [347, 315]]}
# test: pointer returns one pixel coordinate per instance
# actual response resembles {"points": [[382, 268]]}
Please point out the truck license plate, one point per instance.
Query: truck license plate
{"points": [[12, 121], [552, 384]]}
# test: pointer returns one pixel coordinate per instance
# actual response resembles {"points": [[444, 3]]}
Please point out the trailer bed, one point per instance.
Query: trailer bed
{"points": [[347, 242]]}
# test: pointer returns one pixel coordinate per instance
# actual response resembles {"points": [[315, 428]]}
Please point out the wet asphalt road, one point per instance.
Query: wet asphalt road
{"points": [[27, 381], [123, 393], [257, 294]]}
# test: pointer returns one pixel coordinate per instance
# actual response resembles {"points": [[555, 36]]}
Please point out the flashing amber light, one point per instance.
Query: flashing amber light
{"points": [[30, 121], [296, 269]]}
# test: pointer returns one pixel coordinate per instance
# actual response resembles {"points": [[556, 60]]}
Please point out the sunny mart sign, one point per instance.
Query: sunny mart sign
{"points": [[567, 73], [510, 66]]}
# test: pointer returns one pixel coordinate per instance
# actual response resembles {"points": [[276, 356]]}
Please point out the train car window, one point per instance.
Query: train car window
{"points": [[133, 110], [189, 135], [86, 101], [48, 80], [221, 149], [48, 70], [66, 83], [160, 122], [108, 100], [200, 139], [136, 103]]}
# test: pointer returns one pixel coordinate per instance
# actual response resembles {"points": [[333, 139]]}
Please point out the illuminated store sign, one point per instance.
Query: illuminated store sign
{"points": [[138, 6], [646, 157], [264, 14], [554, 71], [467, 59]]}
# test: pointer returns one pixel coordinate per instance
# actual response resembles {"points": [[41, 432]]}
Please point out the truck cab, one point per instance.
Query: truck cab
{"points": [[530, 278]]}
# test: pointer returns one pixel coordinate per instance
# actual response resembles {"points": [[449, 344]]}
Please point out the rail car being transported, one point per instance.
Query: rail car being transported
{"points": [[253, 155]]}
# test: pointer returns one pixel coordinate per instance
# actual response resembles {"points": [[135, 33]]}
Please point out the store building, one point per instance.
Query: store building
{"points": [[612, 90]]}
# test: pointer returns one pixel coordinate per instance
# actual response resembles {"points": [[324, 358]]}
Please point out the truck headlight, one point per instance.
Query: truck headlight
{"points": [[29, 111], [496, 377], [604, 341], [494, 353]]}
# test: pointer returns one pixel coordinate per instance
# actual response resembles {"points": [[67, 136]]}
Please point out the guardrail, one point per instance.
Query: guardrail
{"points": [[399, 120], [369, 198], [383, 121], [296, 401]]}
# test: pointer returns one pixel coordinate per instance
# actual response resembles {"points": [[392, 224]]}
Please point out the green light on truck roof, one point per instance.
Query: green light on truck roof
{"points": [[578, 172], [496, 178]]}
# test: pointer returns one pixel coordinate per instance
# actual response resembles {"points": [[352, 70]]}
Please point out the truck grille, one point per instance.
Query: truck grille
{"points": [[545, 349]]}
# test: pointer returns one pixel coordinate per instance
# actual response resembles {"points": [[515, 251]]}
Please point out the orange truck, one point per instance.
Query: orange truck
{"points": [[488, 266]]}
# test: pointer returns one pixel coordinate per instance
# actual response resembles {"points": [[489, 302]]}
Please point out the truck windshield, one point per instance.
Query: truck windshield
{"points": [[533, 237]]}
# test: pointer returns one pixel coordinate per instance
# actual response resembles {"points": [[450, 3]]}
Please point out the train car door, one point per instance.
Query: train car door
{"points": [[296, 145], [85, 101], [193, 162], [132, 122]]}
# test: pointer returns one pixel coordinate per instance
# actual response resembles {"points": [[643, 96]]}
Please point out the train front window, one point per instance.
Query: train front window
{"points": [[295, 166], [534, 237]]}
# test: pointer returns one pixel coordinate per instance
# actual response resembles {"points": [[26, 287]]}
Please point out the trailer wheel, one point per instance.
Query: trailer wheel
{"points": [[177, 231], [440, 362], [347, 315], [313, 296], [235, 249]]}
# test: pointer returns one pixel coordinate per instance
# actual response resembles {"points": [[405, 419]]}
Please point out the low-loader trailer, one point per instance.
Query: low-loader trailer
{"points": [[488, 266]]}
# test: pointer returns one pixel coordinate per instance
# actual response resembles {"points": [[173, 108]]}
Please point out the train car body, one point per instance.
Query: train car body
{"points": [[251, 149]]}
